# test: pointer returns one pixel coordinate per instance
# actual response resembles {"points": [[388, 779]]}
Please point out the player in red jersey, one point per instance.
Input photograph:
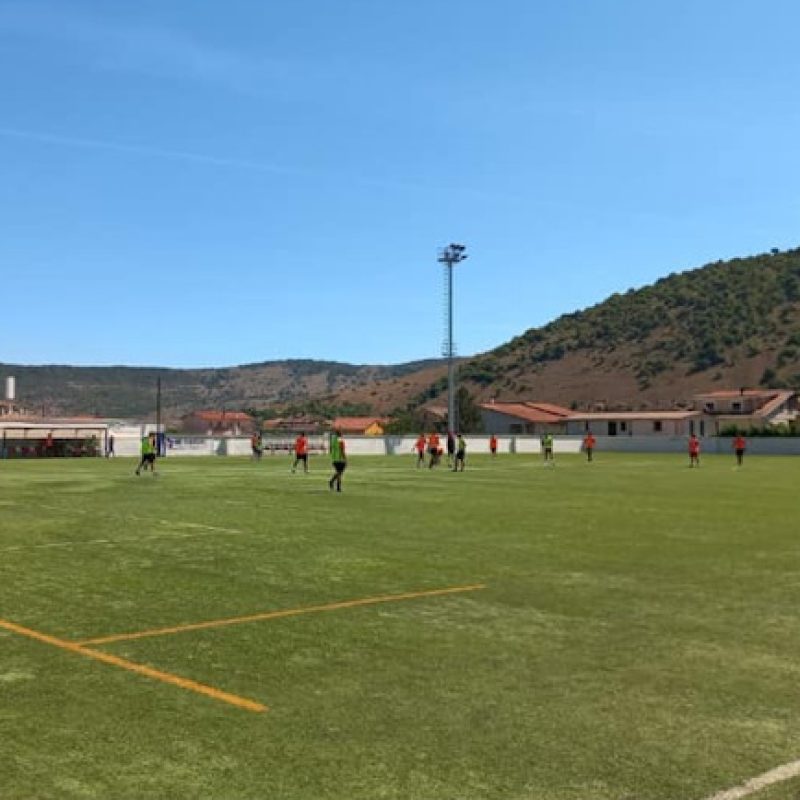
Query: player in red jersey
{"points": [[301, 452], [739, 445], [694, 451], [419, 446], [589, 443], [433, 450]]}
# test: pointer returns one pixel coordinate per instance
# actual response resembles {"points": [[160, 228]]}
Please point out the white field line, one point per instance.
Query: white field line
{"points": [[197, 530], [137, 518], [777, 775], [192, 525]]}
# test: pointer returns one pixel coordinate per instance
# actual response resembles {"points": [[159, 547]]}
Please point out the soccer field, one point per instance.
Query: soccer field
{"points": [[623, 630]]}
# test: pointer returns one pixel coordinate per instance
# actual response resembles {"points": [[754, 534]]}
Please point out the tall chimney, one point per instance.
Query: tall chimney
{"points": [[10, 387]]}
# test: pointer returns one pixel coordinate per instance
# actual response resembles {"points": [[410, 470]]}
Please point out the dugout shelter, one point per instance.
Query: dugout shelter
{"points": [[53, 439]]}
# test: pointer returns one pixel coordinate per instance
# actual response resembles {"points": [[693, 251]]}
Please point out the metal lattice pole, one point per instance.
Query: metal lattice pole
{"points": [[449, 257]]}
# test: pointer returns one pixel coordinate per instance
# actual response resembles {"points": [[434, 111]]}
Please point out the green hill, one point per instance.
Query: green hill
{"points": [[728, 323]]}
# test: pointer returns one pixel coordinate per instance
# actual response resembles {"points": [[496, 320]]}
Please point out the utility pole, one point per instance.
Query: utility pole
{"points": [[158, 416], [449, 257]]}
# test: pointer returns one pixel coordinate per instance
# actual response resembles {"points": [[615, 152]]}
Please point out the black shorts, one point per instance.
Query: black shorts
{"points": [[432, 451], [740, 452], [301, 456], [149, 458], [340, 466], [493, 449], [461, 455]]}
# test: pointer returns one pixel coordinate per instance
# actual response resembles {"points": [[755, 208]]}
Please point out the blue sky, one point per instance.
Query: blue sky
{"points": [[192, 183]]}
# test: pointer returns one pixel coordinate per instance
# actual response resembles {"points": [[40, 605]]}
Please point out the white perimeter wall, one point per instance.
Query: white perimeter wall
{"points": [[127, 442]]}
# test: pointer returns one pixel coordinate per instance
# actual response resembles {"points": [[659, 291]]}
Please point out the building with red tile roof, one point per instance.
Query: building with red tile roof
{"points": [[360, 426], [295, 425], [524, 418], [217, 423], [746, 408], [713, 412]]}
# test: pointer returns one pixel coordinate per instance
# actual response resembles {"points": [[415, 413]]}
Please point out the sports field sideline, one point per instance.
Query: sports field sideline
{"points": [[622, 630]]}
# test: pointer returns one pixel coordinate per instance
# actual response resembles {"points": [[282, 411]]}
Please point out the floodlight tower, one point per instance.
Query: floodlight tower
{"points": [[450, 256]]}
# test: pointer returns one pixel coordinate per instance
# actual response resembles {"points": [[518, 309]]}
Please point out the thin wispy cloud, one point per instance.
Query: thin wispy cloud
{"points": [[140, 48], [223, 161], [155, 152]]}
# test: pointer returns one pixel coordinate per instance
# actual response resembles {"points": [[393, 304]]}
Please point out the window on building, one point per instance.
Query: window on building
{"points": [[515, 427], [623, 426], [657, 426], [737, 407], [709, 405]]}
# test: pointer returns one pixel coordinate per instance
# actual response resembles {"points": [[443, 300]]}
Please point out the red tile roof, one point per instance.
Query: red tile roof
{"points": [[549, 413], [357, 423], [530, 412], [550, 408]]}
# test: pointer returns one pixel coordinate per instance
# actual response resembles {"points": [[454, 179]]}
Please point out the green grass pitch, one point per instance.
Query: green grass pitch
{"points": [[638, 639]]}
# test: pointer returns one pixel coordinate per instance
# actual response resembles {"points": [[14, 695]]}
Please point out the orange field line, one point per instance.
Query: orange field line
{"points": [[140, 669], [289, 612]]}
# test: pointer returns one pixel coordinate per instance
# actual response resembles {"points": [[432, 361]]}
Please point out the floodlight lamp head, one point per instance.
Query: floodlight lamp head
{"points": [[452, 254]]}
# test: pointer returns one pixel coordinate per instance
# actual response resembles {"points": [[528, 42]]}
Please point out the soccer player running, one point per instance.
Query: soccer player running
{"points": [[588, 445], [739, 445], [339, 461], [451, 448], [433, 450], [461, 454], [255, 445], [301, 452], [419, 446], [493, 445], [148, 450], [694, 451], [547, 449]]}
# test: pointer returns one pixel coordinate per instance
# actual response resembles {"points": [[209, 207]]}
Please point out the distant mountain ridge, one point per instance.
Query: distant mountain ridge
{"points": [[130, 391], [726, 325]]}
